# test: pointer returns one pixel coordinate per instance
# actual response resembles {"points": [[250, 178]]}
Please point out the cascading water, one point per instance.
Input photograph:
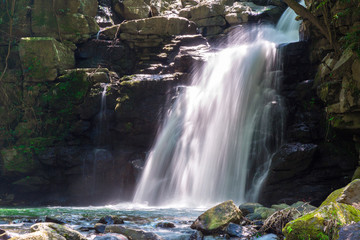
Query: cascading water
{"points": [[218, 138]]}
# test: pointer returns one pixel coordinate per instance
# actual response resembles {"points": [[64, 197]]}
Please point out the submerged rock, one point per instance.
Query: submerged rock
{"points": [[197, 236], [216, 219], [131, 233], [165, 225], [111, 236]]}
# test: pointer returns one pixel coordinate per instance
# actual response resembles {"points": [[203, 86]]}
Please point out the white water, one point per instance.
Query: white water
{"points": [[218, 138]]}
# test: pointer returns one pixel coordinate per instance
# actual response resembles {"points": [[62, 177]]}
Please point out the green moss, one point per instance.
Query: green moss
{"points": [[332, 197], [323, 223], [18, 159]]}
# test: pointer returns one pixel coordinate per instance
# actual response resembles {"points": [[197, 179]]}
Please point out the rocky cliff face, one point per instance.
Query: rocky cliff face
{"points": [[80, 107], [322, 149], [86, 82]]}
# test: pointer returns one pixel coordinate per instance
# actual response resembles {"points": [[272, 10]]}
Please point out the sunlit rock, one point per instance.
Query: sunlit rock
{"points": [[131, 9], [216, 219]]}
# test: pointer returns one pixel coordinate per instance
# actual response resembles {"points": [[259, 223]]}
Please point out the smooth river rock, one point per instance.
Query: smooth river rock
{"points": [[131, 233], [216, 219]]}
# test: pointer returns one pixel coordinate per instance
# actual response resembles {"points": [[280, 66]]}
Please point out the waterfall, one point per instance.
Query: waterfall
{"points": [[218, 138]]}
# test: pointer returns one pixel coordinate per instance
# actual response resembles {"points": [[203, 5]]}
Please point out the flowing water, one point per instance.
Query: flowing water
{"points": [[217, 141]]}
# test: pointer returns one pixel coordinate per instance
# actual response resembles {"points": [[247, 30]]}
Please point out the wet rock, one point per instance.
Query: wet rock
{"points": [[4, 235], [111, 219], [268, 237], [61, 230], [247, 208], [53, 220], [216, 219], [350, 232], [264, 212], [234, 230], [132, 233], [100, 227], [291, 159], [43, 59], [111, 236], [190, 58], [197, 236], [48, 231], [254, 216], [165, 225]]}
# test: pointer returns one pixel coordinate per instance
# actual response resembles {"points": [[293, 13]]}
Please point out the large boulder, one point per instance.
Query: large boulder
{"points": [[49, 231], [323, 223], [43, 58], [348, 195], [217, 218], [291, 159], [339, 209]]}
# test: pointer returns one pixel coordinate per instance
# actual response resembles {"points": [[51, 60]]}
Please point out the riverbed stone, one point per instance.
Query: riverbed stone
{"points": [[111, 236], [234, 230], [350, 232], [216, 219], [165, 225], [247, 208], [111, 219], [132, 233], [44, 58], [62, 230]]}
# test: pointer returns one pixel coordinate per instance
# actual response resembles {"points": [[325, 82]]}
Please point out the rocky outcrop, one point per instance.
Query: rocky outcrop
{"points": [[43, 59], [312, 147]]}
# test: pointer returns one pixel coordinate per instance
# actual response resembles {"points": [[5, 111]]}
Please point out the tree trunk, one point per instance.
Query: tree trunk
{"points": [[306, 14]]}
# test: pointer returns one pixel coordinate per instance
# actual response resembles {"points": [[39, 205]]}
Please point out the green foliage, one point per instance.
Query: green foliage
{"points": [[352, 40]]}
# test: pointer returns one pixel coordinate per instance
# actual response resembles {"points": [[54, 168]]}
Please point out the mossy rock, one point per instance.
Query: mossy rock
{"points": [[347, 195], [18, 160], [67, 20], [323, 223], [43, 58], [264, 212], [216, 218], [60, 231], [71, 90]]}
